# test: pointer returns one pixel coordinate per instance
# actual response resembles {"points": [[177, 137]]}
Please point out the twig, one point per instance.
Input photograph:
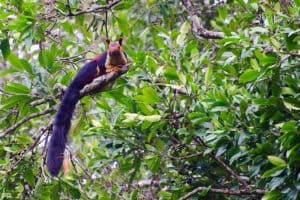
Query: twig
{"points": [[69, 8], [224, 165], [44, 100], [74, 56], [106, 22], [44, 152], [224, 191], [25, 119], [83, 168], [91, 10], [147, 183], [43, 130], [197, 27], [22, 153], [53, 39]]}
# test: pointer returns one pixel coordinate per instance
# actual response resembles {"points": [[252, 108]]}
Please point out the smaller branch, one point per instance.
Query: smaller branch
{"points": [[220, 3], [197, 27], [22, 153], [53, 39], [25, 119], [106, 22], [44, 100], [74, 56], [223, 164], [259, 192], [43, 131], [147, 183], [44, 153], [72, 160], [51, 27], [191, 155], [92, 10], [85, 170]]}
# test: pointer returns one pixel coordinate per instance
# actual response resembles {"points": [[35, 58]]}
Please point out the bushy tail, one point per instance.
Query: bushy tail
{"points": [[61, 126]]}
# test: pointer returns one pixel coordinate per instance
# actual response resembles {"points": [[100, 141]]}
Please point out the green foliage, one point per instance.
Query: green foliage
{"points": [[239, 94]]}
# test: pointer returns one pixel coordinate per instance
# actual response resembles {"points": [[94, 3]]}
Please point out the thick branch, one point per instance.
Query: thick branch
{"points": [[100, 83], [196, 25], [224, 191], [97, 85]]}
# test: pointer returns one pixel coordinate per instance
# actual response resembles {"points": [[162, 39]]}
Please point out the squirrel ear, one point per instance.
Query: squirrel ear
{"points": [[120, 41], [107, 41]]}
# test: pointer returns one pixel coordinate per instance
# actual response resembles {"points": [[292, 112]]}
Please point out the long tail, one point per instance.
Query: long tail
{"points": [[61, 126]]}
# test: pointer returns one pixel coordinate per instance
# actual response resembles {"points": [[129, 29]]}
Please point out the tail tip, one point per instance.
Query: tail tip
{"points": [[53, 168]]}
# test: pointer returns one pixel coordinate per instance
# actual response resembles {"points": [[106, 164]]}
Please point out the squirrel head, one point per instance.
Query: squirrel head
{"points": [[114, 48]]}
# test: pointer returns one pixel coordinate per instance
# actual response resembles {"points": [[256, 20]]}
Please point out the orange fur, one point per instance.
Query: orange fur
{"points": [[66, 163]]}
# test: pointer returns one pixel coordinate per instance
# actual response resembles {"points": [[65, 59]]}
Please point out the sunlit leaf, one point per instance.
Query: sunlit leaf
{"points": [[249, 75], [276, 161]]}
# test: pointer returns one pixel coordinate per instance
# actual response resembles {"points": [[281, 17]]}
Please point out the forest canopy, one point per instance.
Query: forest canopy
{"points": [[207, 109]]}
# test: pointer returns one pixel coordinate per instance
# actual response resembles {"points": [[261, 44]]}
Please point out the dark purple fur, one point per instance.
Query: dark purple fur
{"points": [[62, 122]]}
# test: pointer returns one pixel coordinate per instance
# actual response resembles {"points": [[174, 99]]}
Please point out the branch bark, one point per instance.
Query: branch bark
{"points": [[196, 25], [100, 83]]}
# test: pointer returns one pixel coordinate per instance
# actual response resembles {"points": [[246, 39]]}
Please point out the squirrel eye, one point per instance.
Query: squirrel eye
{"points": [[120, 40]]}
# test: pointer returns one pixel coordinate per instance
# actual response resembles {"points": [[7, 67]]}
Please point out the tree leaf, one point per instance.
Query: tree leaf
{"points": [[273, 195], [29, 177], [249, 75], [13, 101], [276, 171], [15, 61], [277, 161], [16, 88], [153, 162], [5, 48]]}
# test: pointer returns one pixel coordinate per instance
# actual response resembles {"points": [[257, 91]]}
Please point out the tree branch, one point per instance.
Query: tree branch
{"points": [[22, 153], [224, 191], [100, 83], [96, 9], [196, 25], [44, 100], [25, 119], [223, 164], [74, 56]]}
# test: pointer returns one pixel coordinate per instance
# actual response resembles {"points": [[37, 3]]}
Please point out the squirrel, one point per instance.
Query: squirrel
{"points": [[109, 61]]}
